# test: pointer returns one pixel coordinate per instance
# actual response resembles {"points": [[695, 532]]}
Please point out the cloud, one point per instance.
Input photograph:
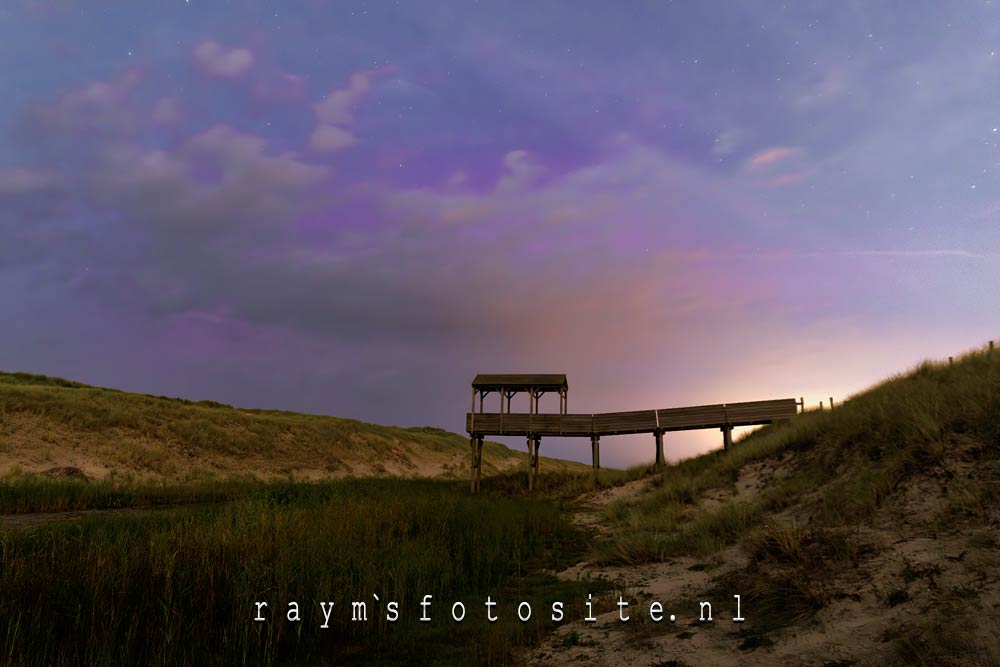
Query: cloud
{"points": [[779, 166], [19, 181], [98, 104], [336, 110], [790, 178], [830, 86], [280, 86], [521, 171], [165, 111], [330, 138], [770, 156], [728, 140], [220, 61], [337, 107]]}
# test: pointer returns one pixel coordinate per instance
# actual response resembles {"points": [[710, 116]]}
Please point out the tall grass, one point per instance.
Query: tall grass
{"points": [[855, 457], [180, 587], [837, 470]]}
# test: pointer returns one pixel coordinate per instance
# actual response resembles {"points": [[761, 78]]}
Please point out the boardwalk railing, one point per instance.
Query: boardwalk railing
{"points": [[724, 416], [640, 421]]}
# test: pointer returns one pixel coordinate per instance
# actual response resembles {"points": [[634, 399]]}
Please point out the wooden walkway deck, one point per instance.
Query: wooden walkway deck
{"points": [[640, 421], [535, 425]]}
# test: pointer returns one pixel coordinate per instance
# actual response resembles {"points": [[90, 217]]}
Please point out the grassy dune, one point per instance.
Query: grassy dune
{"points": [[901, 483], [866, 535], [51, 424]]}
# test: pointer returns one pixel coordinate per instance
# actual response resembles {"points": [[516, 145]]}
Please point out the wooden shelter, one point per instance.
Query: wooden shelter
{"points": [[507, 386]]}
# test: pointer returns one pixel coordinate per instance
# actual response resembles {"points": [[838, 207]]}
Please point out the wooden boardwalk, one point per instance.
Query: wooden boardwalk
{"points": [[640, 421], [533, 425]]}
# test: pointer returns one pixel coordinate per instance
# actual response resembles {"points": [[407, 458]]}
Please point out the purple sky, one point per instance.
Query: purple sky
{"points": [[352, 208]]}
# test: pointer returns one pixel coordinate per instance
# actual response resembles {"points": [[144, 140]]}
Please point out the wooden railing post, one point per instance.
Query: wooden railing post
{"points": [[659, 449], [727, 437], [595, 450]]}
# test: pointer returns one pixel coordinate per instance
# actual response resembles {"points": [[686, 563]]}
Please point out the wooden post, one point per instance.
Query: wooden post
{"points": [[531, 467], [479, 462], [472, 459], [951, 360], [802, 404], [727, 436], [538, 449], [659, 449], [821, 406], [831, 402], [595, 449], [991, 350]]}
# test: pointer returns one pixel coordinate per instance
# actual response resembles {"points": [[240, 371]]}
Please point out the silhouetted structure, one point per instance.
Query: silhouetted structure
{"points": [[534, 424]]}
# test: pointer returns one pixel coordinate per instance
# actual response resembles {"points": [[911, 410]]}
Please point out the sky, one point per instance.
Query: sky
{"points": [[351, 208]]}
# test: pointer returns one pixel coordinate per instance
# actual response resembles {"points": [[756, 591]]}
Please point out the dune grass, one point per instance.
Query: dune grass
{"points": [[156, 438], [179, 587], [837, 470], [854, 457]]}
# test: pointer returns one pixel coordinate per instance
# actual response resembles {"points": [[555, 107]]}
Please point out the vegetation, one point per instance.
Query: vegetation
{"points": [[51, 423], [854, 457], [823, 480], [179, 587], [823, 483]]}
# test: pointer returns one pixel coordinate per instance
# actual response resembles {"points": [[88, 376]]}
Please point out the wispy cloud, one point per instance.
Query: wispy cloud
{"points": [[770, 156], [221, 61]]}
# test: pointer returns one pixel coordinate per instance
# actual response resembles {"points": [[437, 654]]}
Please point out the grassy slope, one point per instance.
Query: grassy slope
{"points": [[48, 423], [178, 586], [885, 507]]}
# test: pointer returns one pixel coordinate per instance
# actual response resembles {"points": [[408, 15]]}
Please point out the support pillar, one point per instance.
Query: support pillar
{"points": [[659, 449], [595, 450], [531, 463], [479, 462], [472, 467], [727, 437], [538, 449]]}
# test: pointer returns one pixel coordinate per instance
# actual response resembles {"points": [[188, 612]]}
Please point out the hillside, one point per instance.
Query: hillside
{"points": [[866, 535], [64, 428]]}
